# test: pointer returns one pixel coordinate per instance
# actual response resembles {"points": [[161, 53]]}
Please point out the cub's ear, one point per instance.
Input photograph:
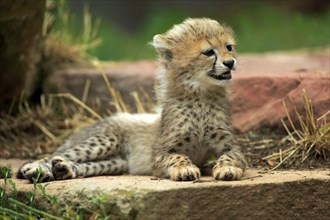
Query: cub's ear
{"points": [[163, 47], [160, 42]]}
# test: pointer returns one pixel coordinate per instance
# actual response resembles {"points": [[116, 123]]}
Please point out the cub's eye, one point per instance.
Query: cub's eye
{"points": [[208, 53], [229, 48]]}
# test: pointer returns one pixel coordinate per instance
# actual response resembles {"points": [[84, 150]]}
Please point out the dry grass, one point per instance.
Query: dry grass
{"points": [[308, 140], [63, 46], [40, 129]]}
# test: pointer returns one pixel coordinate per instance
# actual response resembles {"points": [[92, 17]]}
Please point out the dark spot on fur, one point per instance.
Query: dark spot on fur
{"points": [[182, 163], [171, 150], [92, 144], [172, 164], [114, 162], [76, 149], [79, 160], [108, 148], [88, 152], [112, 139], [187, 139], [100, 152], [179, 144], [222, 137], [214, 135], [86, 169], [94, 167], [67, 156], [102, 166]]}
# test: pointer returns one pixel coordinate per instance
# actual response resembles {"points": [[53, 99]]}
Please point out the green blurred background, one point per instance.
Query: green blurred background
{"points": [[260, 25]]}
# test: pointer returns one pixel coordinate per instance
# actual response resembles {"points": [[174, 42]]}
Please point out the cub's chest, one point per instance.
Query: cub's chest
{"points": [[201, 118]]}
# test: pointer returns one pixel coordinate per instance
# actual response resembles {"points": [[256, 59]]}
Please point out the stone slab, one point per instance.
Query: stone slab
{"points": [[287, 194]]}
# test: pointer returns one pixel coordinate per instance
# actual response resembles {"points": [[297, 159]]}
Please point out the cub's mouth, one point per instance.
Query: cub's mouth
{"points": [[223, 76]]}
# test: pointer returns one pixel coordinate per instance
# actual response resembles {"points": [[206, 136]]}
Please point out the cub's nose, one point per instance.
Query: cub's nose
{"points": [[229, 63]]}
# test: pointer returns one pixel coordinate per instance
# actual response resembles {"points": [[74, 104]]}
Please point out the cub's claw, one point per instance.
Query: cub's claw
{"points": [[185, 173], [227, 172]]}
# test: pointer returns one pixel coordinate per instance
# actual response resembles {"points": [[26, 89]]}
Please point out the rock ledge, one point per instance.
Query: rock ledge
{"points": [[260, 195]]}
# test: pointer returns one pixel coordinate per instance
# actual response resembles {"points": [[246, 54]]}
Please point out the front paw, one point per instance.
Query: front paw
{"points": [[184, 173], [227, 172], [33, 170]]}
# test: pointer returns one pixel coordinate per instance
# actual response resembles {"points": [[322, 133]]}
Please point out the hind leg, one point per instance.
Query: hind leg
{"points": [[65, 164], [65, 169], [93, 148]]}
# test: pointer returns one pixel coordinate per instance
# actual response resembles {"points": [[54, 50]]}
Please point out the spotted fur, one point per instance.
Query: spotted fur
{"points": [[193, 123]]}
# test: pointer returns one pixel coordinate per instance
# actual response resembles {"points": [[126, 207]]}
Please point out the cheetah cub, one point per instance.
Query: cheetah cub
{"points": [[196, 59]]}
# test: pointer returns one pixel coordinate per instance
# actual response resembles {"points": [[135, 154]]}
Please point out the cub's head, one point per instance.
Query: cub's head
{"points": [[198, 54]]}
